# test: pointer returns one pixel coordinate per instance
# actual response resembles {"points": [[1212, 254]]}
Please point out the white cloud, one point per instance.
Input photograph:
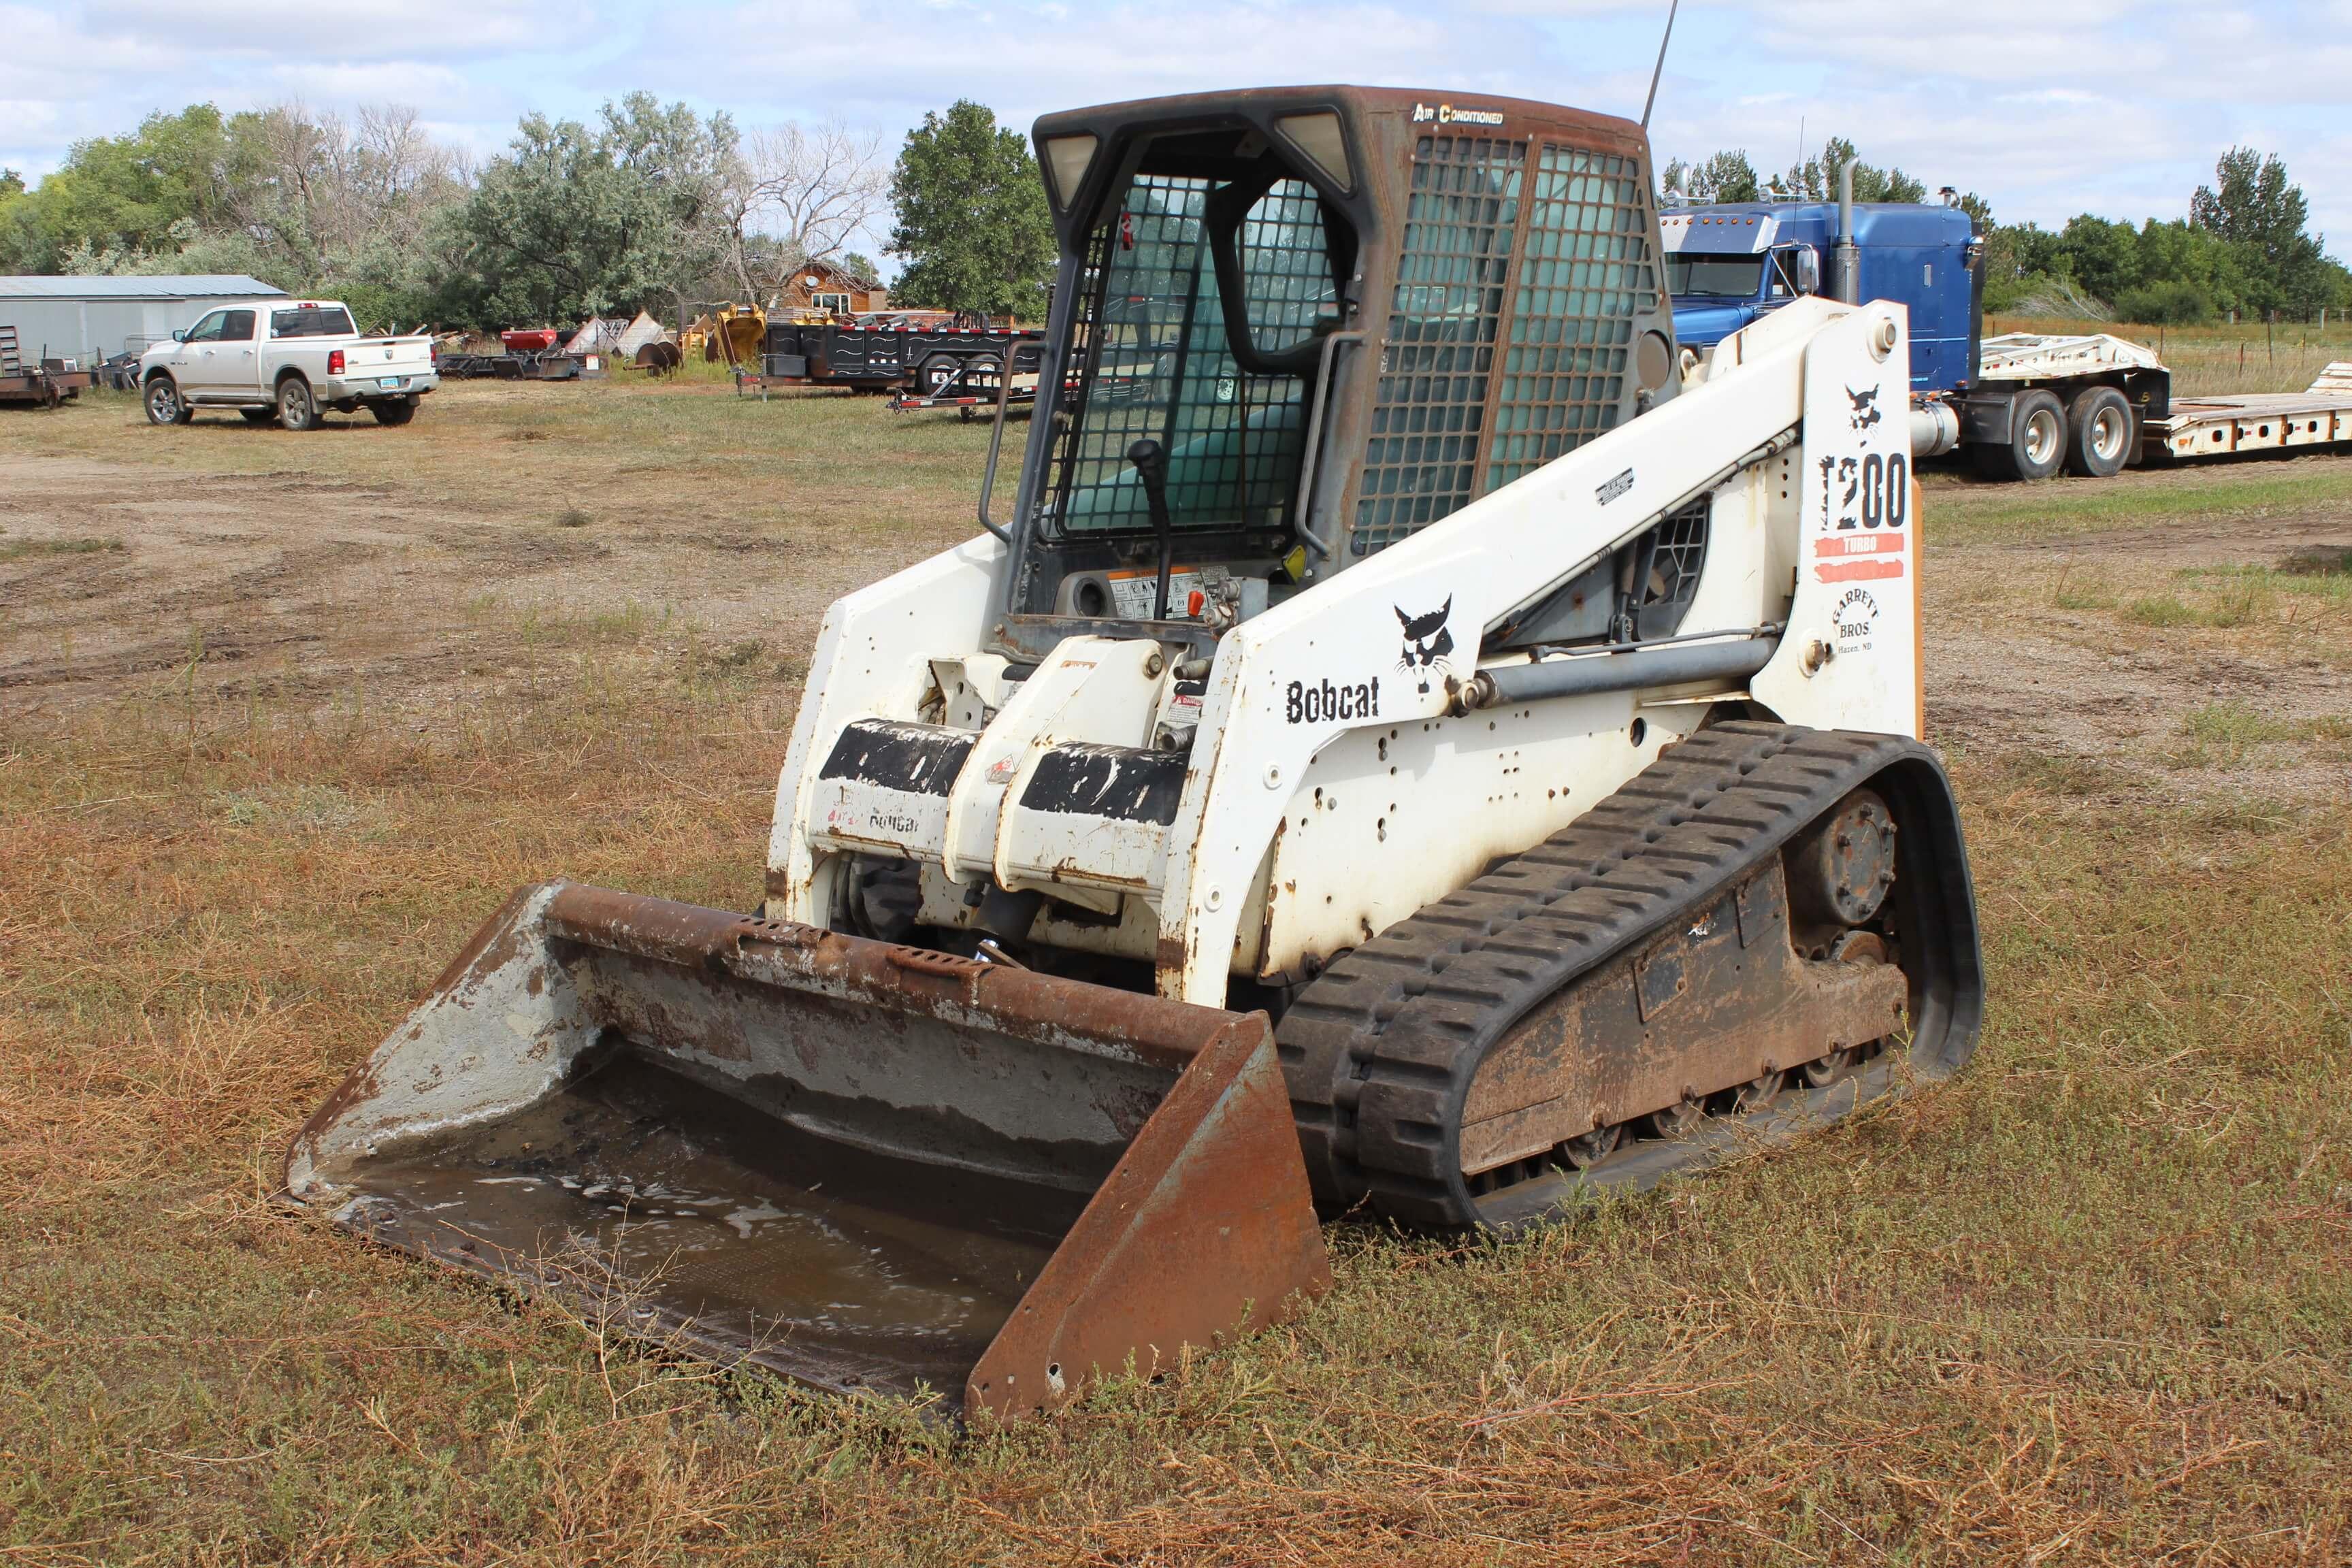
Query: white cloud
{"points": [[2047, 109], [347, 30]]}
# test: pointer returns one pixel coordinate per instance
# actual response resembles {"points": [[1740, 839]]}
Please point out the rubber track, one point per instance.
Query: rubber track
{"points": [[1379, 1049]]}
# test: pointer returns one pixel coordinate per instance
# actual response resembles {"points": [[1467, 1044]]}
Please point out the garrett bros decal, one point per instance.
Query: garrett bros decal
{"points": [[1857, 617]]}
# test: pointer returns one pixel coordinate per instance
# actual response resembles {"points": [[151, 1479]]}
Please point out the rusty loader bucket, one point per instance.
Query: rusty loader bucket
{"points": [[865, 1166]]}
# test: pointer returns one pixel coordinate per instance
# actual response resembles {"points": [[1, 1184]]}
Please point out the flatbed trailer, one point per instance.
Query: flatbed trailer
{"points": [[964, 401], [552, 364], [976, 387], [2194, 427], [46, 382]]}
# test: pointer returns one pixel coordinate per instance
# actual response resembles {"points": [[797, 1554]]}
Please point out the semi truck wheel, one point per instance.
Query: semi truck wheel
{"points": [[2098, 433], [2036, 443]]}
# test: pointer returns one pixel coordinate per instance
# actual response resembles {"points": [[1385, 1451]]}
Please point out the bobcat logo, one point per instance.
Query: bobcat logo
{"points": [[1426, 641], [1865, 408]]}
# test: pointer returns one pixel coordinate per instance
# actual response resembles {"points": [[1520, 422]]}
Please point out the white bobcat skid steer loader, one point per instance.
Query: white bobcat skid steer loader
{"points": [[1401, 723]]}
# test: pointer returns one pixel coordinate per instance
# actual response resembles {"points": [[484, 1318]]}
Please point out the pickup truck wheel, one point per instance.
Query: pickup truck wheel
{"points": [[400, 411], [2098, 433], [259, 415], [296, 410], [2036, 443], [164, 405]]}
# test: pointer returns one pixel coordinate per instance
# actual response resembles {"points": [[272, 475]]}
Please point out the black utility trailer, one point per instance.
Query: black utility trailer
{"points": [[884, 357]]}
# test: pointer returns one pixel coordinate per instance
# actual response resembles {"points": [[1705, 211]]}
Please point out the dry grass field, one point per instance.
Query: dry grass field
{"points": [[282, 717], [2211, 360]]}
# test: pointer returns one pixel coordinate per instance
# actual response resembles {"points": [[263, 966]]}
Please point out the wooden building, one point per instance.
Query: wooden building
{"points": [[828, 286]]}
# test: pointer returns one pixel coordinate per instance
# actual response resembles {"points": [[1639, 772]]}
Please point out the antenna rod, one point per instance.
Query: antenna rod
{"points": [[1650, 101]]}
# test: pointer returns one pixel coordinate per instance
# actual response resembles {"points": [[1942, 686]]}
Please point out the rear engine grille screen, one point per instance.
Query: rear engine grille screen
{"points": [[1586, 269], [1460, 218]]}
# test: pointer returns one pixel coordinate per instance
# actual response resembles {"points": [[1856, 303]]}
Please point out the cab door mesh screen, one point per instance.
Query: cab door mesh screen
{"points": [[1151, 333], [1585, 271], [1430, 408]]}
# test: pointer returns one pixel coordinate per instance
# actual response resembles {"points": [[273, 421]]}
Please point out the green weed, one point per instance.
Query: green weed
{"points": [[2322, 561], [2163, 610], [22, 549]]}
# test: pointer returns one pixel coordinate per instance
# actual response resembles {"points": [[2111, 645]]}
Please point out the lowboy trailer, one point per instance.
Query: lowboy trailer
{"points": [[2196, 427]]}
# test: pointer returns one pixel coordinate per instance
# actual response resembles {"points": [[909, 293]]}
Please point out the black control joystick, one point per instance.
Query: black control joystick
{"points": [[1150, 460]]}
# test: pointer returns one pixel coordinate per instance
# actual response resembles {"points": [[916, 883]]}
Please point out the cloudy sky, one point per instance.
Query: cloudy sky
{"points": [[2045, 107]]}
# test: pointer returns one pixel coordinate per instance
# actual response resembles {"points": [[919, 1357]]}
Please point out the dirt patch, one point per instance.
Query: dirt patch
{"points": [[125, 573], [2186, 656]]}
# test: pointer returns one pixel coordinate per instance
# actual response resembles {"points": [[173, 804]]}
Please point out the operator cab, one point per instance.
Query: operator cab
{"points": [[1294, 326]]}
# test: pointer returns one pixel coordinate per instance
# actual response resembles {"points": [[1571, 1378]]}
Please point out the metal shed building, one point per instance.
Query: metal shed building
{"points": [[90, 318]]}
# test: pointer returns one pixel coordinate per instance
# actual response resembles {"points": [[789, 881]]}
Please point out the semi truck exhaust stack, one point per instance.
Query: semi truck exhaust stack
{"points": [[865, 1165], [1845, 255]]}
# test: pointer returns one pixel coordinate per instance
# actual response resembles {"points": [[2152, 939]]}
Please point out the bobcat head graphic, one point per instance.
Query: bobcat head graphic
{"points": [[1426, 641], [1865, 408]]}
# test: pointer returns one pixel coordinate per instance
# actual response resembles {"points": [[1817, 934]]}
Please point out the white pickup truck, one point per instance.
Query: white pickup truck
{"points": [[285, 359]]}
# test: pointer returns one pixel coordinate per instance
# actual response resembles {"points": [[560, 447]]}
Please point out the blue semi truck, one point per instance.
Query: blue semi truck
{"points": [[2023, 407]]}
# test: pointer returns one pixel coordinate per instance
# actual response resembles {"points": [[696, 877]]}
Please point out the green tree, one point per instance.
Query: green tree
{"points": [[123, 193], [574, 221], [972, 223], [1816, 179], [2252, 206], [2102, 256], [1731, 176], [1726, 177]]}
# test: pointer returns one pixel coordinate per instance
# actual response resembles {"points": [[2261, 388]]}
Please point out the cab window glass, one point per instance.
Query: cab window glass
{"points": [[236, 327], [208, 330], [311, 321], [1150, 342], [1718, 276]]}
